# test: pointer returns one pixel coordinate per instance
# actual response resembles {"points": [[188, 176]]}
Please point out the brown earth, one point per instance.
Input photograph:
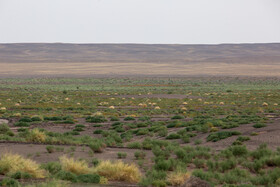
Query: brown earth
{"points": [[103, 60]]}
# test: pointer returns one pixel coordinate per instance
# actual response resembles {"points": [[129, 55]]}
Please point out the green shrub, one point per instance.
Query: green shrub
{"points": [[139, 155], [238, 150], [121, 155], [98, 131], [259, 125], [50, 148], [80, 126], [68, 176], [173, 136], [21, 124], [159, 183], [97, 146], [129, 118], [25, 119], [221, 135], [96, 119], [21, 175], [9, 182], [243, 138], [95, 162], [89, 178], [114, 118], [177, 117], [5, 129], [52, 167], [134, 145]]}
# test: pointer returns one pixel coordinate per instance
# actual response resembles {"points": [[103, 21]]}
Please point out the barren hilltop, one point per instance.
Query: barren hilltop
{"points": [[59, 59]]}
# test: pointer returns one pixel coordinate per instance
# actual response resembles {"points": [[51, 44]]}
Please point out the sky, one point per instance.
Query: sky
{"points": [[140, 21]]}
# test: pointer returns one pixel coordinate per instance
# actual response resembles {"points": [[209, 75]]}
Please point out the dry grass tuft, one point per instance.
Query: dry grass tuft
{"points": [[177, 178], [119, 171], [36, 136], [75, 166], [11, 163]]}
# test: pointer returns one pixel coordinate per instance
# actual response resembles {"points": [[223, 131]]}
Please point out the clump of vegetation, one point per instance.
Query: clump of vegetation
{"points": [[119, 171], [74, 166], [259, 125], [12, 163], [214, 137], [121, 155], [96, 119], [129, 118], [177, 178], [140, 155], [36, 135]]}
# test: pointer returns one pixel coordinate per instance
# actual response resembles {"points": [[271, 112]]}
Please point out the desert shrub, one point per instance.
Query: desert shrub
{"points": [[234, 176], [95, 161], [116, 124], [221, 135], [21, 124], [75, 166], [139, 125], [153, 177], [50, 148], [89, 178], [139, 155], [243, 138], [25, 119], [185, 138], [129, 118], [121, 155], [67, 121], [55, 118], [259, 125], [36, 135], [177, 117], [202, 174], [78, 129], [144, 118], [67, 176], [142, 132], [12, 163], [162, 164], [238, 150], [173, 136], [51, 183], [119, 171], [9, 182], [97, 125], [177, 178], [98, 131], [80, 126], [36, 118], [97, 146], [22, 130], [21, 175], [261, 151], [4, 128], [180, 153], [227, 165], [52, 167], [162, 132], [134, 145], [96, 119], [199, 163], [114, 118], [159, 183], [147, 144]]}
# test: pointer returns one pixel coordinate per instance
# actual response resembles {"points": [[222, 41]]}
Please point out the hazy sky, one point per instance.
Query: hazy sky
{"points": [[140, 21]]}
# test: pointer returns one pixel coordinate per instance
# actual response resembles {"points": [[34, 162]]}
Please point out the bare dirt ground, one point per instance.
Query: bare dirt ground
{"points": [[136, 69]]}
